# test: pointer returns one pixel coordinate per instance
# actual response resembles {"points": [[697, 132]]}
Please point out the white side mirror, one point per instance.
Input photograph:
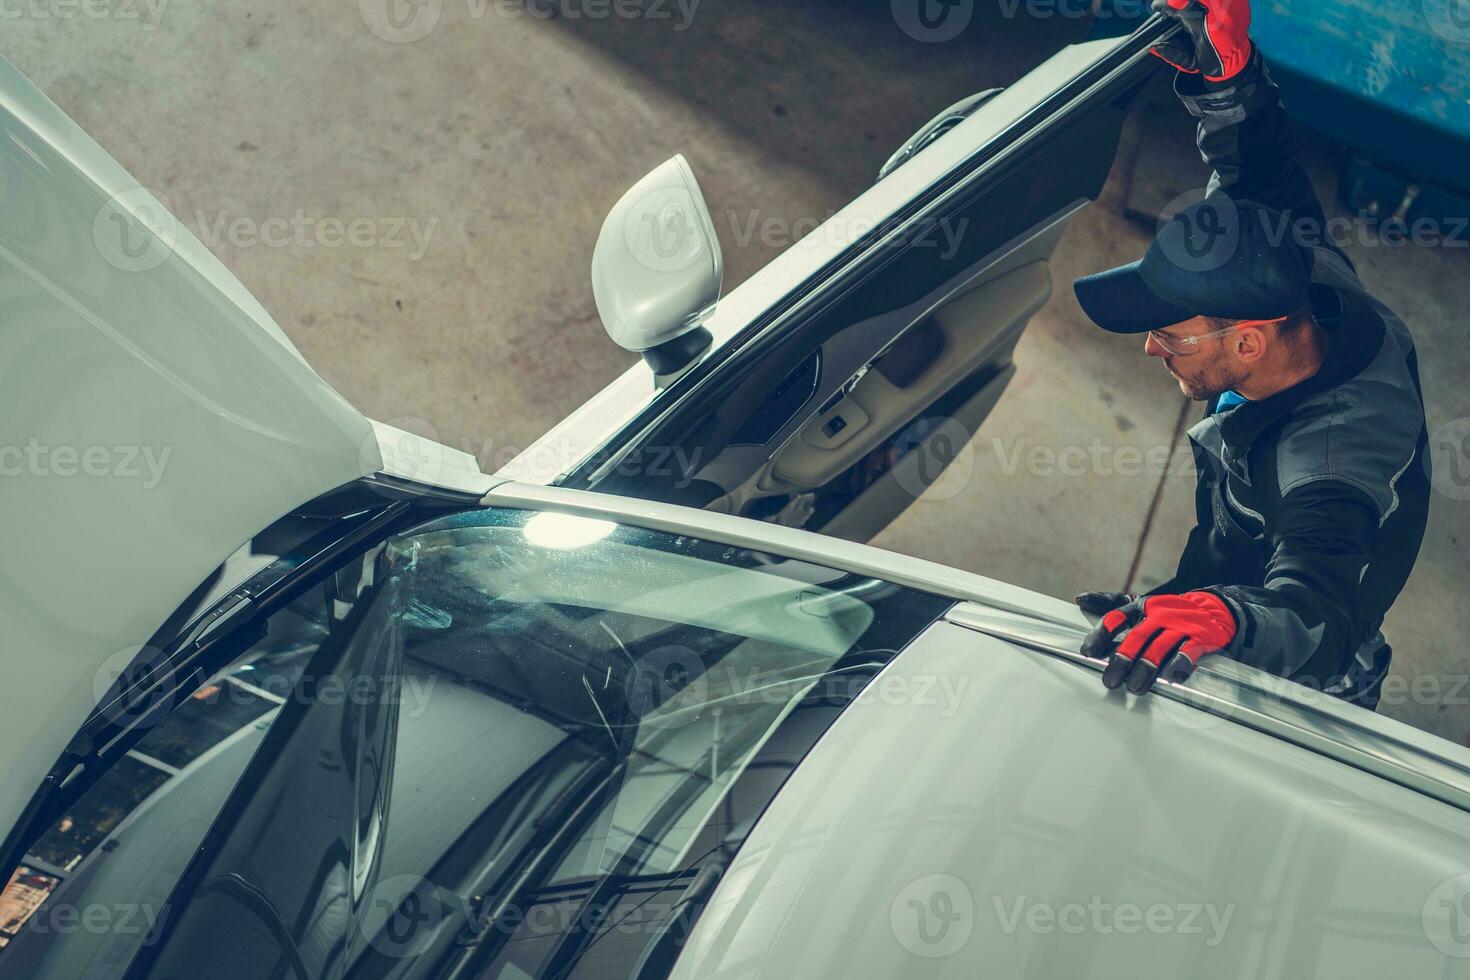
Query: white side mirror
{"points": [[657, 269]]}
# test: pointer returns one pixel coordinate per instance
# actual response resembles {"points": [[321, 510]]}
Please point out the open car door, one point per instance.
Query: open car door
{"points": [[837, 383]]}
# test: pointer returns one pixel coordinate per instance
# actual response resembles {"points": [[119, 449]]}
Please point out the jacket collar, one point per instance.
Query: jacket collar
{"points": [[1356, 339]]}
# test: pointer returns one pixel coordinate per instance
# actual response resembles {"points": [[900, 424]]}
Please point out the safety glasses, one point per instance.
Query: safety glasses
{"points": [[1185, 346]]}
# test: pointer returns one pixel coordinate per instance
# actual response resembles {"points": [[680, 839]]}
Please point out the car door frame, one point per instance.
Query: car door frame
{"points": [[613, 431]]}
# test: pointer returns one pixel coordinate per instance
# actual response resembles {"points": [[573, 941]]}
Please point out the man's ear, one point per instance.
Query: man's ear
{"points": [[1249, 343]]}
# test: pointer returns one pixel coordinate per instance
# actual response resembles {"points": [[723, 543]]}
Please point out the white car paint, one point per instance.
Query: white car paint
{"points": [[155, 418], [1071, 832], [138, 339], [175, 355]]}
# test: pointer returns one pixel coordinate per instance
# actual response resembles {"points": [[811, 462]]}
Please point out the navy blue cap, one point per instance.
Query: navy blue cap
{"points": [[1218, 257]]}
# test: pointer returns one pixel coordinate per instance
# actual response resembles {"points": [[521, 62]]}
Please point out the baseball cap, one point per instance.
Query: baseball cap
{"points": [[1218, 257]]}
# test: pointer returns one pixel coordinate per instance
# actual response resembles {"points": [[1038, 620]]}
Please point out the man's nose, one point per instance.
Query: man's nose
{"points": [[1152, 347]]}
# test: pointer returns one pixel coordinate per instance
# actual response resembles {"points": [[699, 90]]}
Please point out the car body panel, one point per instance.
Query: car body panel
{"points": [[1318, 817], [155, 419], [139, 341], [1072, 832], [1230, 693], [1285, 709], [575, 441]]}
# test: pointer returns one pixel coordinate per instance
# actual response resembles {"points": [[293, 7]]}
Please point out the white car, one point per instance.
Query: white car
{"points": [[292, 694]]}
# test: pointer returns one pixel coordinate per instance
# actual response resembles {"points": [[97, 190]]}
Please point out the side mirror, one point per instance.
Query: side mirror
{"points": [[658, 269]]}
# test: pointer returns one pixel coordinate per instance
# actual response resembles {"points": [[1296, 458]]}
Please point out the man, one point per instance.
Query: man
{"points": [[1313, 490]]}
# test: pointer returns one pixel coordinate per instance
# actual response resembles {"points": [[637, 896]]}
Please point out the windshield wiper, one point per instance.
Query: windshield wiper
{"points": [[660, 955]]}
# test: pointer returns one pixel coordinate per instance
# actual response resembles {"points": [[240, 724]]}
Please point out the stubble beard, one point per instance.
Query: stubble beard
{"points": [[1215, 379]]}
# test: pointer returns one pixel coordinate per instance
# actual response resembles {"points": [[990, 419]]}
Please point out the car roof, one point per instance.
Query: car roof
{"points": [[988, 809]]}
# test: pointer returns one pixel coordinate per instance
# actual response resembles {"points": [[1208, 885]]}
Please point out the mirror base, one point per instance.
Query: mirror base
{"points": [[675, 355]]}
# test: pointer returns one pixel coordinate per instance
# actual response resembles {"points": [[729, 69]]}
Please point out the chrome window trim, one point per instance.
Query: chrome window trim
{"points": [[745, 532], [1284, 709], [1224, 688]]}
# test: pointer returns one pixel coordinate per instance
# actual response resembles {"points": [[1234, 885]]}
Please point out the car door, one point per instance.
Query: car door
{"points": [[847, 375]]}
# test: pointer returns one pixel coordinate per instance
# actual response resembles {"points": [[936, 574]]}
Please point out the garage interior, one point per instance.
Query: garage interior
{"points": [[507, 136]]}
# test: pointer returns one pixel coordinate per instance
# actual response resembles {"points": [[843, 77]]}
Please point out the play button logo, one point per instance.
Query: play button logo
{"points": [[933, 21], [401, 21]]}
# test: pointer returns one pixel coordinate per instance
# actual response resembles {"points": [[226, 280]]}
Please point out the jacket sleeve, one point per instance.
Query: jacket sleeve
{"points": [[1245, 134], [1197, 566], [1300, 622]]}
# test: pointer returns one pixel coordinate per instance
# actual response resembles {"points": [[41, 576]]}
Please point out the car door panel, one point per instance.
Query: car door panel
{"points": [[977, 197], [977, 328], [972, 249]]}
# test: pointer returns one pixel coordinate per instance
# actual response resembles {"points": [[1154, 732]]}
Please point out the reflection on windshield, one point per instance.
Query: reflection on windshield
{"points": [[549, 739], [122, 845]]}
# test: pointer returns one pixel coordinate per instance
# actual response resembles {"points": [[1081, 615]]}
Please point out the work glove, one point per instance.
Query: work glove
{"points": [[1167, 635], [1097, 603], [1215, 38]]}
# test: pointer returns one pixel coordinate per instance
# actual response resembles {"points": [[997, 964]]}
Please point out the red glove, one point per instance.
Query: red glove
{"points": [[1168, 634], [1217, 41]]}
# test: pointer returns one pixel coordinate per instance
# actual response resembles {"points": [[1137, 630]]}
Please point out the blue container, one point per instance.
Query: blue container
{"points": [[1388, 79]]}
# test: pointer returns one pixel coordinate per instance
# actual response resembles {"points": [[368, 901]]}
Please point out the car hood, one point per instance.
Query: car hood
{"points": [[989, 810], [154, 418]]}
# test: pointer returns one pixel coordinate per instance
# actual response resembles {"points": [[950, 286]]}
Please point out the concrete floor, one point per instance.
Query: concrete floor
{"points": [[505, 139]]}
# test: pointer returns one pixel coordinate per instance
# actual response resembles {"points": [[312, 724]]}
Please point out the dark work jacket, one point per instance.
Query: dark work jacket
{"points": [[1310, 504]]}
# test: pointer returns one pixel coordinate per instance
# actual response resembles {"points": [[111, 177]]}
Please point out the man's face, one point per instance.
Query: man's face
{"points": [[1204, 369]]}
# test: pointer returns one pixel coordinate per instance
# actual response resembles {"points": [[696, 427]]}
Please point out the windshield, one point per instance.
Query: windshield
{"points": [[507, 744]]}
